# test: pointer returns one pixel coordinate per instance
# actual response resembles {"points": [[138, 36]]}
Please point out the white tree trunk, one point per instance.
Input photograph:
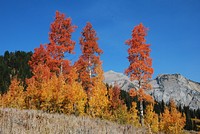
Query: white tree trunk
{"points": [[141, 113], [141, 107]]}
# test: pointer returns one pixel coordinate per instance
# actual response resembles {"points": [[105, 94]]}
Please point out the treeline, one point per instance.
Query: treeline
{"points": [[14, 64], [55, 85]]}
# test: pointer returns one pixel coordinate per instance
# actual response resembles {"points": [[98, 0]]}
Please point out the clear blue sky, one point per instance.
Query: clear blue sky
{"points": [[174, 29]]}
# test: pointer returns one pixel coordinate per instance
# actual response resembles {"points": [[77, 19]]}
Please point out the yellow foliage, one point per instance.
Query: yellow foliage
{"points": [[98, 101], [97, 95], [151, 118], [172, 121], [63, 97], [121, 114], [57, 94], [51, 94], [33, 94], [155, 123], [75, 98], [133, 115], [15, 95]]}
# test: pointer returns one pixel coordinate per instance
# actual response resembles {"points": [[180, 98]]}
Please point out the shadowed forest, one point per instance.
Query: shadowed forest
{"points": [[45, 80]]}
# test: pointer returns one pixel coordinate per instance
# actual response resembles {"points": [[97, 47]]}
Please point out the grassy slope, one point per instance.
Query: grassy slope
{"points": [[13, 121]]}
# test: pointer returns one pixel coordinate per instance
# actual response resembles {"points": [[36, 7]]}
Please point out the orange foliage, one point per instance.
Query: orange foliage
{"points": [[53, 87], [142, 96], [88, 41], [52, 54], [140, 64], [114, 99], [60, 36], [139, 57], [88, 61], [40, 56], [60, 43]]}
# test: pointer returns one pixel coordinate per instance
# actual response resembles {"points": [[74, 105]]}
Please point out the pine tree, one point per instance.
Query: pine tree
{"points": [[14, 64]]}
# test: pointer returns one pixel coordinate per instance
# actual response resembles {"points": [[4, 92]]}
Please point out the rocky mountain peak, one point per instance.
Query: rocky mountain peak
{"points": [[122, 80], [164, 87]]}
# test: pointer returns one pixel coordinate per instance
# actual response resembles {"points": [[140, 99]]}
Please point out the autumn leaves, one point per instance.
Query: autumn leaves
{"points": [[59, 86], [56, 84], [140, 69]]}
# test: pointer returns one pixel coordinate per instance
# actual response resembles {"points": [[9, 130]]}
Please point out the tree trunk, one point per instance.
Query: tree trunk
{"points": [[61, 64], [89, 68], [141, 107], [141, 113]]}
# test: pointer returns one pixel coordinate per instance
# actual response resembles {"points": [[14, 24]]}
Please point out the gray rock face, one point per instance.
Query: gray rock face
{"points": [[174, 86], [165, 87], [122, 80]]}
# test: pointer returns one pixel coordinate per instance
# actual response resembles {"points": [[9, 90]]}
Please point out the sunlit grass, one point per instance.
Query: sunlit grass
{"points": [[13, 121]]}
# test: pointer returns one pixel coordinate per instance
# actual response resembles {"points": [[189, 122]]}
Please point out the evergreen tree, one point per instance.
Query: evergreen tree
{"points": [[14, 64]]}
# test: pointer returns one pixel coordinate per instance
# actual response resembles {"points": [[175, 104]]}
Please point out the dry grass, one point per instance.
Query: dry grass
{"points": [[13, 121]]}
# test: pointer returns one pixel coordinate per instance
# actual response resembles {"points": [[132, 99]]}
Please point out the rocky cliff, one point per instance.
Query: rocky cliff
{"points": [[165, 87]]}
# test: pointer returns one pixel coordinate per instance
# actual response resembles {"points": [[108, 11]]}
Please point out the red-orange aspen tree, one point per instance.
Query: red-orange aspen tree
{"points": [[89, 59], [89, 68], [52, 54], [49, 59], [60, 42], [140, 68], [39, 56], [114, 97]]}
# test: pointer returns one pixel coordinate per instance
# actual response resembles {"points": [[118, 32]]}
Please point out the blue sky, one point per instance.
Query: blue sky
{"points": [[174, 29]]}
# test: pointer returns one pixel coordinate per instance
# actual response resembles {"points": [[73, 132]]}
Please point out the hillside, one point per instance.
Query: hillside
{"points": [[13, 121], [165, 87]]}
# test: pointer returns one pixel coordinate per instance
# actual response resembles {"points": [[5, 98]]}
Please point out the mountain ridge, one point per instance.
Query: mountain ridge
{"points": [[183, 91]]}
